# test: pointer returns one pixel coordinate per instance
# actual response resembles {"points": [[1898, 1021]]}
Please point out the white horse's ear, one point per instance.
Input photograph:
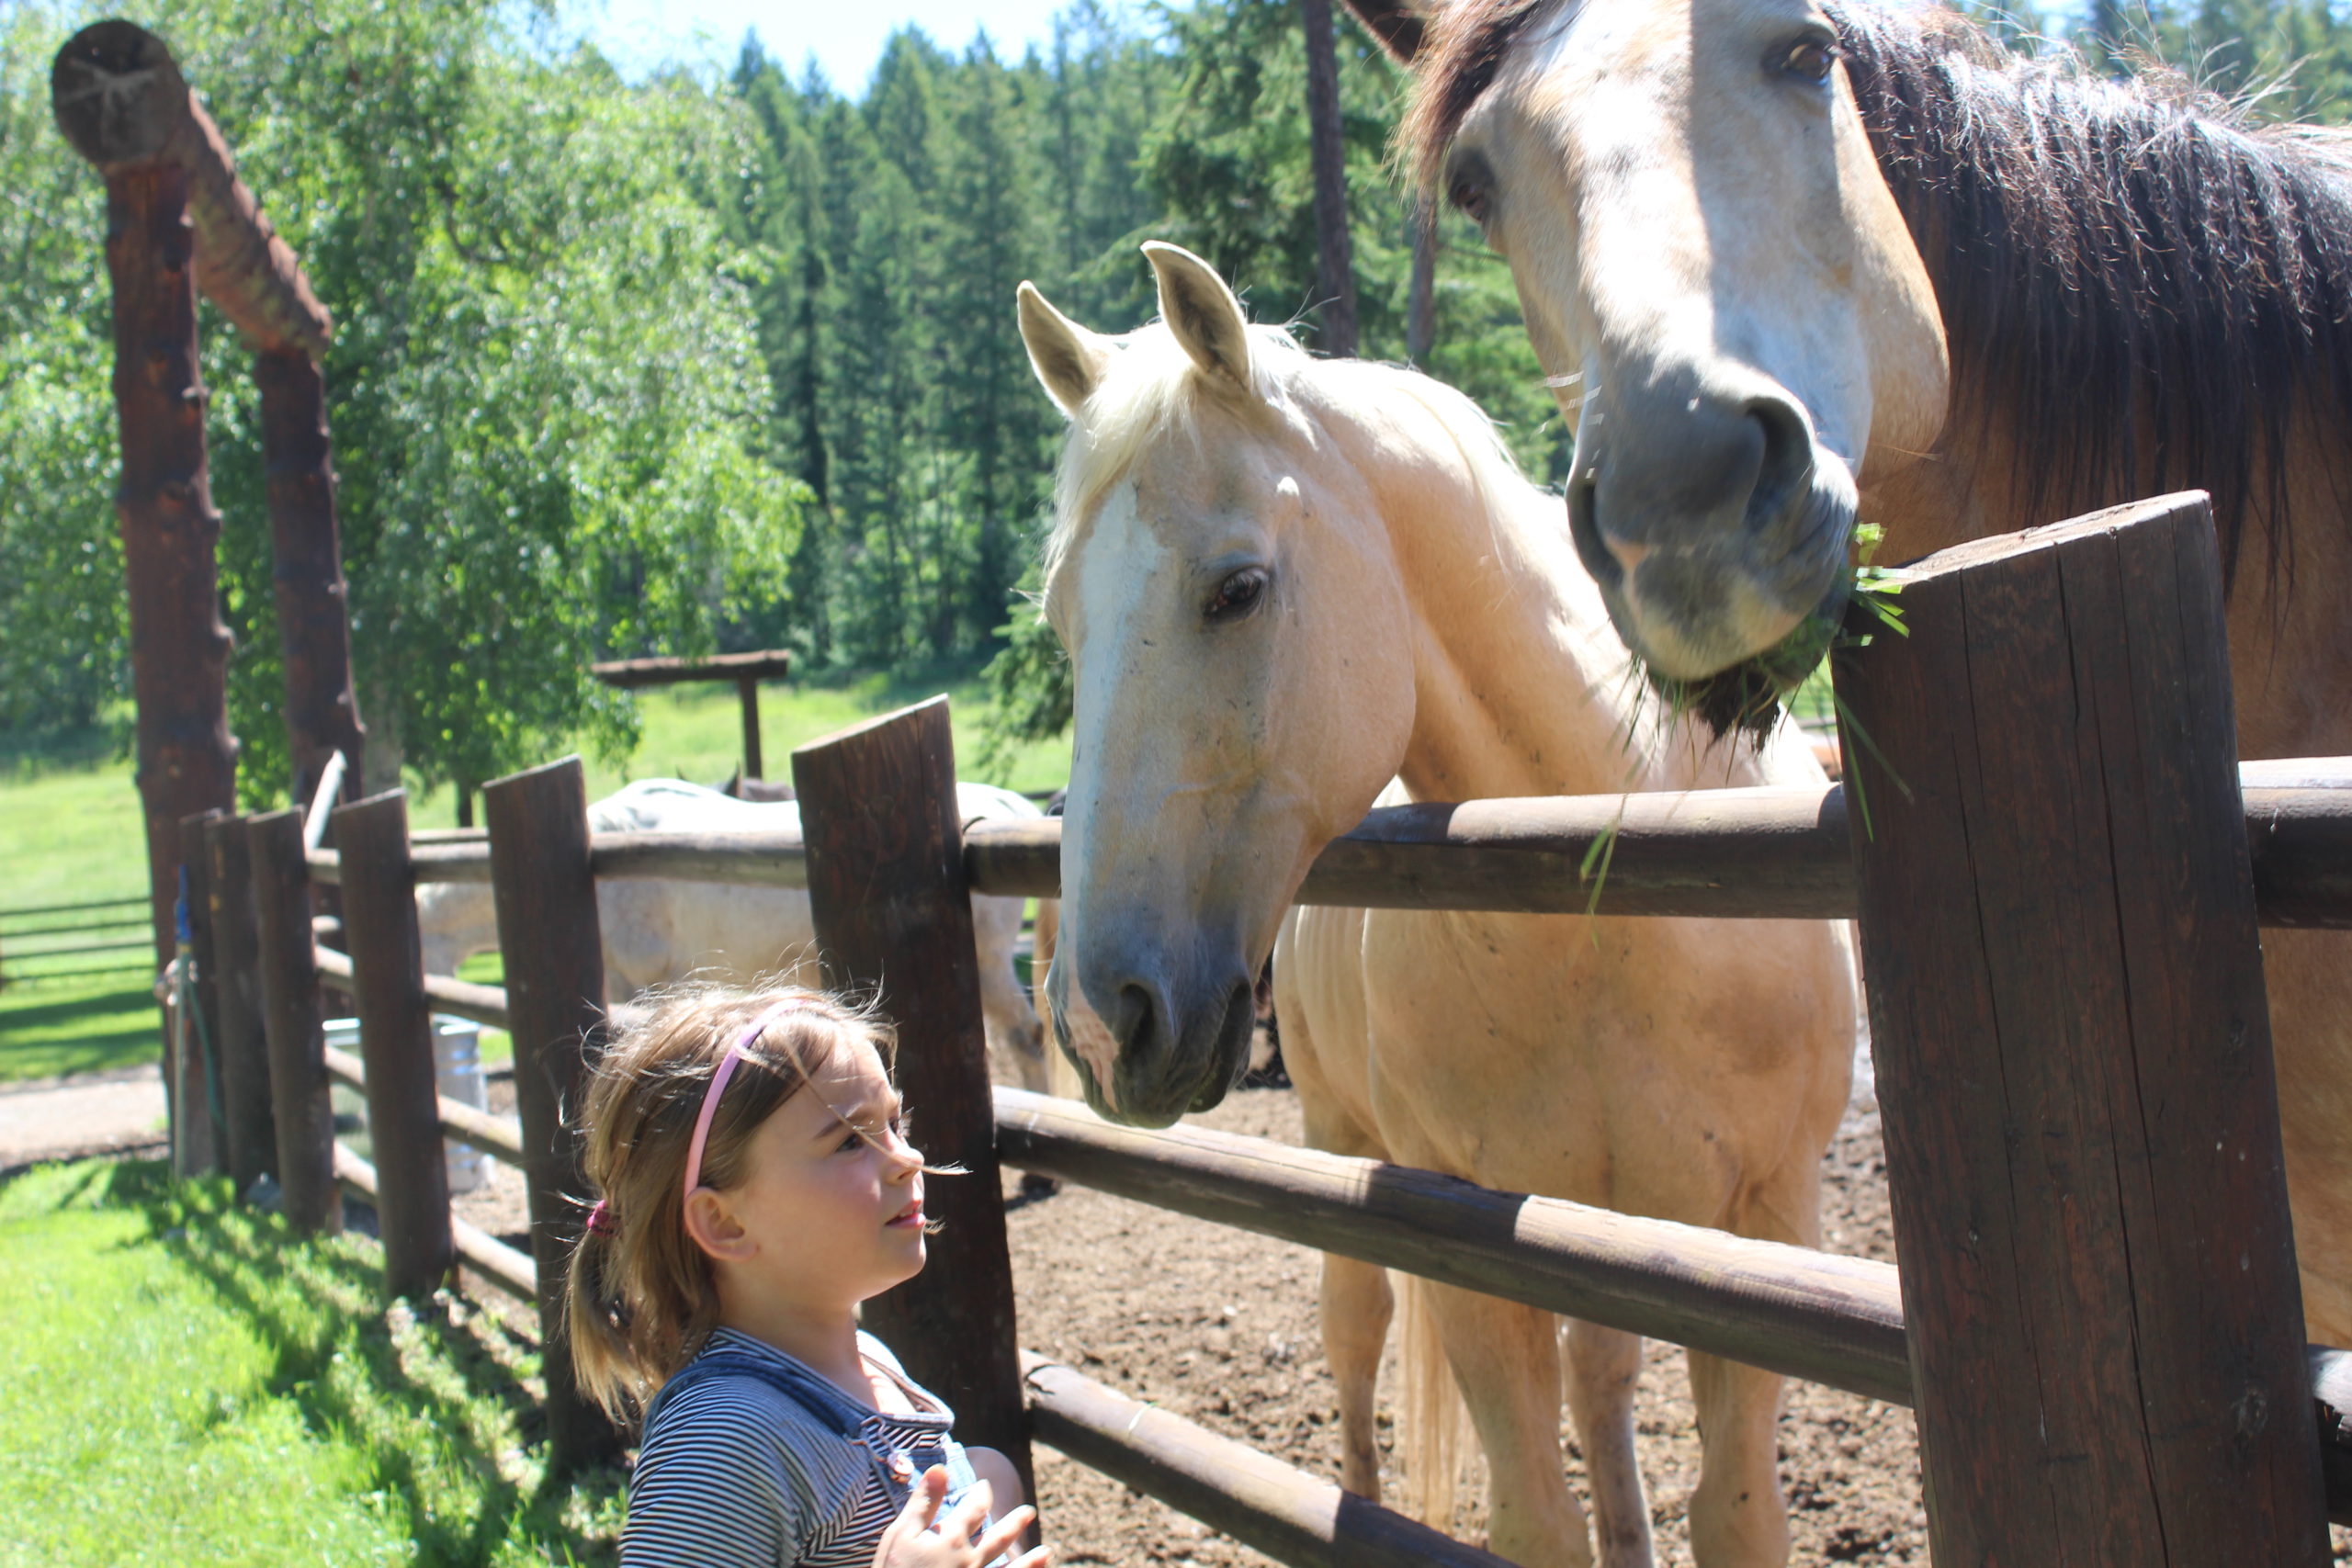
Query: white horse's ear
{"points": [[1202, 314], [1068, 360]]}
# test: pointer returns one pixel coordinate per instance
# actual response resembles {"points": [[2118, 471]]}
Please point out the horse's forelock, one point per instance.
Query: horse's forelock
{"points": [[1462, 52], [1151, 392]]}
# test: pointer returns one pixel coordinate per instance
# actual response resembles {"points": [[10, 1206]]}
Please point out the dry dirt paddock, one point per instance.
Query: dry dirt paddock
{"points": [[1219, 1325]]}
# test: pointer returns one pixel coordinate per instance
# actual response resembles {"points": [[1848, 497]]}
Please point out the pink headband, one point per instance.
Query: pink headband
{"points": [[718, 1086]]}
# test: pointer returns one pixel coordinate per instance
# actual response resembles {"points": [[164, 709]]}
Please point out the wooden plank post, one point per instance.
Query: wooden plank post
{"points": [[894, 920], [396, 1043], [199, 1138], [292, 1023], [252, 1147], [747, 688], [2074, 1056], [554, 949]]}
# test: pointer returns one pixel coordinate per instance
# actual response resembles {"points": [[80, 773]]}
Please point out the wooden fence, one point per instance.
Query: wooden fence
{"points": [[75, 940], [2058, 889]]}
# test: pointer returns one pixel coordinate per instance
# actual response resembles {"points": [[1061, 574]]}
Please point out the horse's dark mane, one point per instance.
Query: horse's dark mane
{"points": [[2136, 283]]}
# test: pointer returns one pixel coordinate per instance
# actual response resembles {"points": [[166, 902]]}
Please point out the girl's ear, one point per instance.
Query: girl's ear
{"points": [[712, 1224]]}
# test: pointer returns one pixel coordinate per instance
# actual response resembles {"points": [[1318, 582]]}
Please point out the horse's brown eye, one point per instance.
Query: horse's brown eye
{"points": [[1809, 60], [1467, 194], [1237, 595]]}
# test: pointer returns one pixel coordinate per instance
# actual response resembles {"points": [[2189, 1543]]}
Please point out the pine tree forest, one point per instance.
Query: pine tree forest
{"points": [[725, 361]]}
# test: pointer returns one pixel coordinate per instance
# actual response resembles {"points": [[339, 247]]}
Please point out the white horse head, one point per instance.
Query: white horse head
{"points": [[1213, 535], [1715, 279]]}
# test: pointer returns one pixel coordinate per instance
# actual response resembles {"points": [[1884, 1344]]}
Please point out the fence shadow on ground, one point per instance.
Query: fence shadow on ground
{"points": [[53, 1028], [439, 1396]]}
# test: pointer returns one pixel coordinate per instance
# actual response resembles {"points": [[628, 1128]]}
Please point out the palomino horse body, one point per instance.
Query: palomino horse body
{"points": [[1281, 583], [1804, 265]]}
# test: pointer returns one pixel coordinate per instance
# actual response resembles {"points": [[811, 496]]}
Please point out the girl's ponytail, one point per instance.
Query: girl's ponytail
{"points": [[596, 1321]]}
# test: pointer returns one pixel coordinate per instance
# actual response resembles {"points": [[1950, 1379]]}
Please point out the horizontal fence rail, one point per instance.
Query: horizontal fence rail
{"points": [[512, 1269], [1754, 854], [499, 1136], [1254, 1498], [1809, 1314]]}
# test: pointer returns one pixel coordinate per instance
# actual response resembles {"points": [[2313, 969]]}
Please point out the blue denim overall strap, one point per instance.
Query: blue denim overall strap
{"points": [[817, 1395]]}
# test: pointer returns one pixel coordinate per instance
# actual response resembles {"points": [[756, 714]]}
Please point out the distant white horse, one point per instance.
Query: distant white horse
{"points": [[659, 930]]}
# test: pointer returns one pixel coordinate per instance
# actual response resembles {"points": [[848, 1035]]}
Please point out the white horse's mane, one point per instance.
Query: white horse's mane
{"points": [[1151, 391]]}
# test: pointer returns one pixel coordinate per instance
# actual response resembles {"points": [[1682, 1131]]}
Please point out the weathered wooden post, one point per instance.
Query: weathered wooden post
{"points": [[243, 1043], [179, 648], [396, 1043], [302, 1114], [894, 920], [180, 221], [307, 584], [2074, 1056], [199, 1138], [554, 950]]}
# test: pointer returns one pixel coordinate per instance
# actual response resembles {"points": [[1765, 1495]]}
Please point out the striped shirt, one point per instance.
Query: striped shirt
{"points": [[753, 1459]]}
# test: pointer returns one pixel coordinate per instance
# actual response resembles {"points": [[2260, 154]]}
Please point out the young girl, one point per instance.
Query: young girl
{"points": [[757, 1186]]}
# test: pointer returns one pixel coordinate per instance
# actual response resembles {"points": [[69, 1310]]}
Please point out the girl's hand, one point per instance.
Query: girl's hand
{"points": [[912, 1543]]}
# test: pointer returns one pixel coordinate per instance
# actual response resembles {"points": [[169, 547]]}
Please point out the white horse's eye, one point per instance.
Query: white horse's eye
{"points": [[1808, 59], [1237, 595]]}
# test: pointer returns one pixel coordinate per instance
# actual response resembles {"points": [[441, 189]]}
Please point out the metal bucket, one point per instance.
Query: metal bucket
{"points": [[457, 1071]]}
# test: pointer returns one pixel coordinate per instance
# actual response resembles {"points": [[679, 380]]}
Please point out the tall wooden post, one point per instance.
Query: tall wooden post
{"points": [[396, 1043], [303, 1116], [2074, 1056], [243, 1043], [179, 648], [202, 1143], [179, 220], [554, 951], [894, 920], [306, 548]]}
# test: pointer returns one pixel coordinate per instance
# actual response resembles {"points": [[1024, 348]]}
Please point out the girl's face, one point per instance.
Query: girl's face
{"points": [[831, 1211]]}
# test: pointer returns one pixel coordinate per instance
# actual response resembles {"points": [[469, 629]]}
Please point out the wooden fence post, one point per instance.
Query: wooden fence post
{"points": [[396, 1043], [199, 1138], [292, 1023], [243, 1043], [554, 950], [2074, 1056], [894, 920]]}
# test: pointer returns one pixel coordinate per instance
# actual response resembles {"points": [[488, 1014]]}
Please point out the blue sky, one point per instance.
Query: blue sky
{"points": [[845, 36]]}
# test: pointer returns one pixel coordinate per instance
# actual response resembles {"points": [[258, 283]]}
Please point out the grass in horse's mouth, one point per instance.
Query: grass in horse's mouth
{"points": [[1745, 700]]}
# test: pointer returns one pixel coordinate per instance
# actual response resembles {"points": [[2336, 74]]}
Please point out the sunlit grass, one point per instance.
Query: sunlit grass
{"points": [[188, 1382]]}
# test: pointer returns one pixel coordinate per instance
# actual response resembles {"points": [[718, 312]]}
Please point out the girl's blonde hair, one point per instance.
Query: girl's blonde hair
{"points": [[642, 1297]]}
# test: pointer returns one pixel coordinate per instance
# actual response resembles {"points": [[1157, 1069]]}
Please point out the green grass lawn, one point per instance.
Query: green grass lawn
{"points": [[190, 1384]]}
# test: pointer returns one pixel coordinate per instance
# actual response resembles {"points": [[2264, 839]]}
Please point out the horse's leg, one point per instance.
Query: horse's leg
{"points": [[1738, 1519], [1604, 1364], [1357, 1307], [1507, 1359]]}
